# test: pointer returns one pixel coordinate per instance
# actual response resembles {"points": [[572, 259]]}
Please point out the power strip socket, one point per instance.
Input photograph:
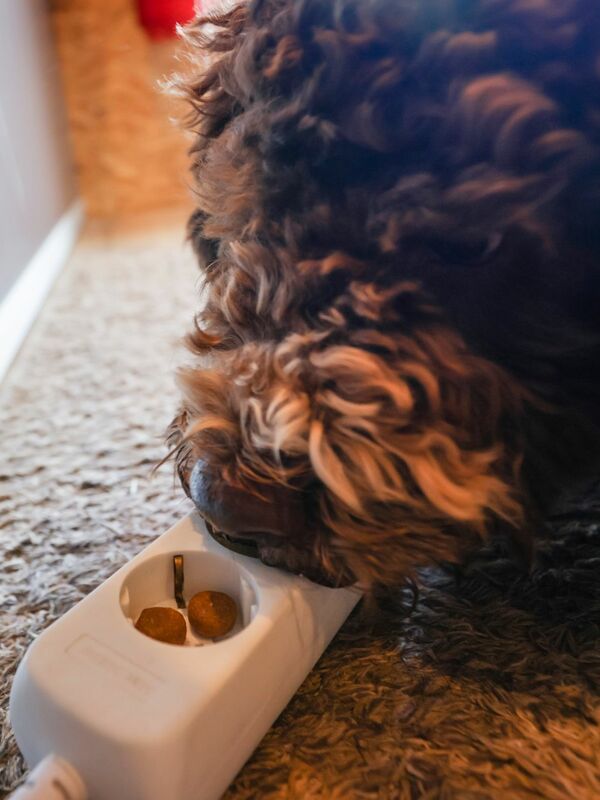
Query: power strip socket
{"points": [[143, 720]]}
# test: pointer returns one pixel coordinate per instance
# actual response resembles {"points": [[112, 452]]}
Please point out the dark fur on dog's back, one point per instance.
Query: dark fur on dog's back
{"points": [[398, 219]]}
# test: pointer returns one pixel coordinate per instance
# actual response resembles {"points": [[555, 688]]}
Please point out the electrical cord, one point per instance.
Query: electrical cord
{"points": [[52, 779]]}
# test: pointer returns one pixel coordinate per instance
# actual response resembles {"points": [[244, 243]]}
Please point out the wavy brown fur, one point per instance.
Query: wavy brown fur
{"points": [[398, 227]]}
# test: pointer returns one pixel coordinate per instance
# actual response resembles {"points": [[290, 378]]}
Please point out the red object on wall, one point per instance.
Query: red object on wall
{"points": [[159, 17]]}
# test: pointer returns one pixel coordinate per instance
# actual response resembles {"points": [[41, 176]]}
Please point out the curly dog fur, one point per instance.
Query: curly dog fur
{"points": [[398, 225]]}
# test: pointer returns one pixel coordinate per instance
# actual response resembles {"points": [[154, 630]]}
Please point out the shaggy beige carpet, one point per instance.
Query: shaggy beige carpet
{"points": [[489, 689], [129, 156]]}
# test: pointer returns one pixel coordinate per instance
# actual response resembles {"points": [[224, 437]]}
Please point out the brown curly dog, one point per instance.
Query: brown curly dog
{"points": [[398, 224]]}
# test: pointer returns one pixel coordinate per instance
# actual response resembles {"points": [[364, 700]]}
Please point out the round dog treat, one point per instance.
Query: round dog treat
{"points": [[212, 614], [164, 624]]}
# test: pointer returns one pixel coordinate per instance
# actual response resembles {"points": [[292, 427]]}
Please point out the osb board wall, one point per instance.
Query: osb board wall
{"points": [[130, 156]]}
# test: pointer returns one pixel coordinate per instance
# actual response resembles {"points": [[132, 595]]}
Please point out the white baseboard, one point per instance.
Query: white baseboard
{"points": [[24, 300]]}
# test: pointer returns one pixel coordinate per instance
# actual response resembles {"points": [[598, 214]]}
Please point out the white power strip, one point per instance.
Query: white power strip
{"points": [[138, 719]]}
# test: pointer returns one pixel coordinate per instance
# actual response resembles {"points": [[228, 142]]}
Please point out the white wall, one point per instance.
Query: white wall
{"points": [[36, 177]]}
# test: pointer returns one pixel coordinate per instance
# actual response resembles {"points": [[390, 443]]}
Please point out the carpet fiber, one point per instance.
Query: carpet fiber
{"points": [[489, 689]]}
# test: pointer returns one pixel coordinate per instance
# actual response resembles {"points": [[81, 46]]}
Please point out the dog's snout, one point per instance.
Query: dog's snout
{"points": [[275, 510], [220, 504], [273, 518]]}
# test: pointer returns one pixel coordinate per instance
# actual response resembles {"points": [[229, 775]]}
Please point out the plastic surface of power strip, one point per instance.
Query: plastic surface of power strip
{"points": [[143, 720]]}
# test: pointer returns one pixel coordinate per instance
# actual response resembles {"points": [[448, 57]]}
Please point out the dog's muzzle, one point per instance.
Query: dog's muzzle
{"points": [[270, 524]]}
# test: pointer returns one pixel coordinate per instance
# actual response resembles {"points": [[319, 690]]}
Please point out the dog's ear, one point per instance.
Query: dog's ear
{"points": [[206, 249], [217, 94], [213, 101]]}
